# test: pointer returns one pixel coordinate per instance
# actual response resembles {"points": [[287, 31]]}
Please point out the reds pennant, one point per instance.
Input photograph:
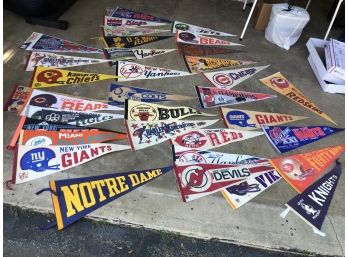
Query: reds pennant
{"points": [[133, 54], [115, 21], [127, 13], [122, 31], [195, 38], [181, 26], [131, 41]]}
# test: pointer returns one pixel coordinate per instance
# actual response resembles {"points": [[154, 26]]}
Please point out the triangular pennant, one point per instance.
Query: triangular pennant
{"points": [[250, 120], [197, 50], [131, 41], [214, 97], [127, 13], [17, 99], [280, 84], [143, 134], [47, 43], [125, 31], [74, 198], [33, 162], [181, 26], [115, 21], [285, 139], [119, 93], [139, 111], [52, 60], [198, 39], [204, 64], [301, 170], [51, 77], [134, 71], [133, 54], [231, 78], [205, 139]]}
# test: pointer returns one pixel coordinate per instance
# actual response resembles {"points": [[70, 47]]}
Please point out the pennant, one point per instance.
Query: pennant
{"points": [[129, 14], [280, 84], [131, 41], [74, 198], [249, 120], [181, 26], [52, 60], [134, 71], [231, 78], [47, 43], [70, 117], [301, 170], [205, 139], [33, 162], [213, 96], [198, 39], [50, 77], [119, 93], [123, 31], [143, 134], [115, 21], [285, 139], [202, 64], [140, 111], [17, 99], [198, 50], [196, 181], [133, 54]]}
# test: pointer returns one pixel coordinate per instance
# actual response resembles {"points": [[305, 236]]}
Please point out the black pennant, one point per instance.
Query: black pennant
{"points": [[128, 42]]}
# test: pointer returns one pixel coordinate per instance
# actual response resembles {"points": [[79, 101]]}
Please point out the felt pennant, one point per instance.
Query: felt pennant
{"points": [[198, 39], [280, 84], [199, 50], [126, 31], [130, 14], [131, 41], [133, 54], [17, 99], [115, 21], [181, 26]]}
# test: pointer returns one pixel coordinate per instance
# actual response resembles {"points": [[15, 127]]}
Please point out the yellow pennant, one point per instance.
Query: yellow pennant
{"points": [[280, 84]]}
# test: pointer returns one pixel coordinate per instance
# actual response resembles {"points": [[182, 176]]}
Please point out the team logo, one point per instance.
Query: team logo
{"points": [[196, 179], [191, 157], [39, 141], [295, 170], [239, 118], [143, 112], [131, 71], [279, 82], [38, 160], [191, 139], [121, 93], [222, 79], [282, 136], [187, 37], [53, 117], [243, 188], [182, 26], [309, 209], [43, 100], [49, 43], [50, 77]]}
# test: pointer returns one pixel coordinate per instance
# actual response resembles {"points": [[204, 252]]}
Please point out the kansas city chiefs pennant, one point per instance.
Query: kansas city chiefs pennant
{"points": [[197, 39], [231, 78], [131, 41], [301, 170], [199, 50], [133, 71], [250, 120], [74, 198], [46, 43], [139, 111], [143, 134], [129, 14], [119, 93], [285, 139], [280, 84], [123, 31], [34, 162], [214, 97], [17, 99], [115, 21], [134, 54], [205, 139], [181, 26]]}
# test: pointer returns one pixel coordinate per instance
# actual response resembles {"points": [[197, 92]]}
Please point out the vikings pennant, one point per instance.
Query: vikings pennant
{"points": [[131, 41], [214, 97], [285, 139], [115, 21], [301, 170], [33, 162], [249, 120], [125, 31], [181, 26], [280, 84], [129, 14], [143, 134], [46, 43], [17, 99], [133, 54], [199, 50], [231, 78], [198, 39]]}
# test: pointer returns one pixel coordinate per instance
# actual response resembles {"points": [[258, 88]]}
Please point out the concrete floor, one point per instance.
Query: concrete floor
{"points": [[158, 205]]}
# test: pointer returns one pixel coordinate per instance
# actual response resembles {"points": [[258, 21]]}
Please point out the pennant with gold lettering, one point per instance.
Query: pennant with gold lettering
{"points": [[190, 37], [131, 41]]}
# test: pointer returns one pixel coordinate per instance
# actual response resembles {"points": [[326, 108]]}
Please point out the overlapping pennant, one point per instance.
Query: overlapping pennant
{"points": [[199, 50], [133, 54], [125, 31], [131, 41], [189, 37], [116, 21], [17, 98], [127, 13], [181, 26]]}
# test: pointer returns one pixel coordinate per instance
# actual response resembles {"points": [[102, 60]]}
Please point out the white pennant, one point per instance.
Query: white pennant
{"points": [[194, 38], [178, 25], [135, 54], [124, 31]]}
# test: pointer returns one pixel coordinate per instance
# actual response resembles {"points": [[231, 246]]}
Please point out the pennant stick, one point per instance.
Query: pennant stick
{"points": [[318, 232], [284, 213]]}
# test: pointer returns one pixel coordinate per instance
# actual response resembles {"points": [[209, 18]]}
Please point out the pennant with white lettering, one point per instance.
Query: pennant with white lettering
{"points": [[181, 26], [285, 139], [131, 41], [115, 21], [250, 120], [33, 162], [199, 50], [133, 54], [214, 97], [198, 39], [17, 99], [130, 14], [125, 31]]}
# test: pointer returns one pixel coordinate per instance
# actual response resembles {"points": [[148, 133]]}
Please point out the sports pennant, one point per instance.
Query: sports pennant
{"points": [[51, 77], [143, 134], [181, 26], [198, 180], [17, 99], [131, 41], [301, 170], [33, 162], [280, 84], [119, 93], [285, 139], [115, 21], [133, 54], [70, 117], [52, 60], [249, 120], [198, 50], [198, 39], [74, 198], [140, 111], [231, 78], [129, 14], [205, 139], [125, 31], [202, 64], [214, 97], [46, 43], [134, 71]]}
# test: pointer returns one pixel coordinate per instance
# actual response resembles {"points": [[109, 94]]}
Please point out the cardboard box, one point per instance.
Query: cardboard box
{"points": [[263, 13], [334, 54]]}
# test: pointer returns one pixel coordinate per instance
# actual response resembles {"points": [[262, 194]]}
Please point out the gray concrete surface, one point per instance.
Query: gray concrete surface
{"points": [[158, 205]]}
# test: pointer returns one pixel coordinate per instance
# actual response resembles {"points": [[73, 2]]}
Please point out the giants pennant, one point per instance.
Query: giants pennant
{"points": [[133, 54], [130, 14], [197, 50], [114, 21], [301, 170], [249, 120], [214, 97], [34, 162], [110, 31], [131, 41], [46, 43], [74, 198], [17, 99], [143, 134], [181, 26], [280, 84], [194, 38]]}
